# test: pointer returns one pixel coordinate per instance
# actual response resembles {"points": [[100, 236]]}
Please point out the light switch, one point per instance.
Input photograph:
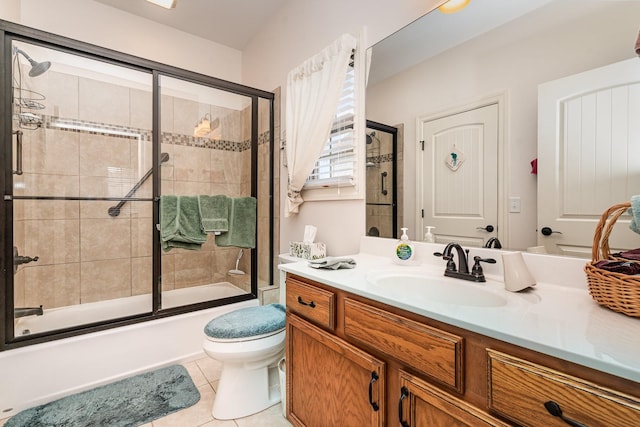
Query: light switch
{"points": [[514, 204]]}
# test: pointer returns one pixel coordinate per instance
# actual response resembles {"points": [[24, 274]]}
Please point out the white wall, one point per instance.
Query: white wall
{"points": [[10, 10], [105, 26], [301, 29], [514, 58]]}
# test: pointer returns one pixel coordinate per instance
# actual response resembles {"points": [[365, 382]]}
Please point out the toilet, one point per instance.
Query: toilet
{"points": [[249, 342]]}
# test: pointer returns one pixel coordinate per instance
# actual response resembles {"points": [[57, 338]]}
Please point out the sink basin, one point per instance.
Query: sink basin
{"points": [[424, 288]]}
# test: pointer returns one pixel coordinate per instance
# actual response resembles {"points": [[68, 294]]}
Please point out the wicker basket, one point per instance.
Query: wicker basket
{"points": [[617, 291]]}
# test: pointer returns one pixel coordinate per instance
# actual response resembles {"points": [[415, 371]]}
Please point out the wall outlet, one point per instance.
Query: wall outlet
{"points": [[514, 204]]}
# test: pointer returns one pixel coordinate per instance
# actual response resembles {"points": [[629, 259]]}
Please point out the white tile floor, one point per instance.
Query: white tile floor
{"points": [[205, 373]]}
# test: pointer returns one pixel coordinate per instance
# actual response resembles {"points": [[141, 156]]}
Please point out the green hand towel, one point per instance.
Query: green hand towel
{"points": [[180, 223], [242, 224], [214, 213]]}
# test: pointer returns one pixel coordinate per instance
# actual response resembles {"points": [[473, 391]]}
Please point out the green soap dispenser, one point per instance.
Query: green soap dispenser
{"points": [[405, 251]]}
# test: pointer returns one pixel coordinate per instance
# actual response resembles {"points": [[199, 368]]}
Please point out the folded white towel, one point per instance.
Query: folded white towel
{"points": [[331, 263]]}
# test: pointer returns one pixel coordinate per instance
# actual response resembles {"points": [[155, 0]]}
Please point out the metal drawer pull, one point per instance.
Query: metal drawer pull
{"points": [[554, 409], [404, 393], [310, 304], [374, 378]]}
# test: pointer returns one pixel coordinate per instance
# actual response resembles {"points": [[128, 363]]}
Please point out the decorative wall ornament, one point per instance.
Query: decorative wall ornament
{"points": [[455, 158]]}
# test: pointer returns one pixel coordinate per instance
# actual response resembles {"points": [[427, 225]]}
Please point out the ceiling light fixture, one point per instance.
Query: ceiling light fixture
{"points": [[167, 4], [205, 126], [453, 6]]}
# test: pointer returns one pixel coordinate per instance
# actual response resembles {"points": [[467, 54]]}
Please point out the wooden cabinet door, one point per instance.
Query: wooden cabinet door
{"points": [[329, 381], [423, 405]]}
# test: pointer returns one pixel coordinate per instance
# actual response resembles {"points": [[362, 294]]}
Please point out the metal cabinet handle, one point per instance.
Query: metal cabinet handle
{"points": [[404, 393], [374, 378], [554, 409], [488, 228], [309, 304], [383, 175]]}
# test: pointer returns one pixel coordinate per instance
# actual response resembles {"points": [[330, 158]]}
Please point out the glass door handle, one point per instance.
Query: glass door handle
{"points": [[18, 170], [383, 175]]}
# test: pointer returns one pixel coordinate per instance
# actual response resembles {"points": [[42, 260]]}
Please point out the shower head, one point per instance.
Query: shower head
{"points": [[37, 68], [371, 136]]}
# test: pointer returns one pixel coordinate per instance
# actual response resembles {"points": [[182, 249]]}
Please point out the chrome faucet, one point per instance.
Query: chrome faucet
{"points": [[476, 274], [27, 311]]}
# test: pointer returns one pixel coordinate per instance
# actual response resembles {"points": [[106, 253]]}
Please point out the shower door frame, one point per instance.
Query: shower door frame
{"points": [[10, 32]]}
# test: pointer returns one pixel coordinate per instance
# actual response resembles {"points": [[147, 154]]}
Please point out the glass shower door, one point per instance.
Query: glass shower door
{"points": [[81, 142], [207, 133]]}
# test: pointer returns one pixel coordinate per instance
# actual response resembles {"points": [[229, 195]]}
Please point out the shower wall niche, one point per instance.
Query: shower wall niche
{"points": [[84, 191]]}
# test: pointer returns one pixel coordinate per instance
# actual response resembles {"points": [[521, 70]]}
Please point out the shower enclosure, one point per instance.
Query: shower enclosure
{"points": [[92, 141], [384, 178]]}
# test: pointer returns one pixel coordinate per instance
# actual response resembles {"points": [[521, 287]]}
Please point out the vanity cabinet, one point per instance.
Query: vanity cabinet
{"points": [[329, 381], [352, 361]]}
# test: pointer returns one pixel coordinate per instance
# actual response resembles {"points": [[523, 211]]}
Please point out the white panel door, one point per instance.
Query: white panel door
{"points": [[588, 155], [459, 176]]}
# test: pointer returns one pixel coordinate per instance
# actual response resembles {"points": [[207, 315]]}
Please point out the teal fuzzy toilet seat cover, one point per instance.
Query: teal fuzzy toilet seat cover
{"points": [[247, 322]]}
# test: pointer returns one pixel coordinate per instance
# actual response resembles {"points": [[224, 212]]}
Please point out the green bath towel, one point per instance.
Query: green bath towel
{"points": [[242, 224], [180, 223], [214, 213]]}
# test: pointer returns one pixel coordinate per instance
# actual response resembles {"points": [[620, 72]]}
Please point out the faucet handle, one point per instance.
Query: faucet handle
{"points": [[451, 265], [478, 259], [476, 270]]}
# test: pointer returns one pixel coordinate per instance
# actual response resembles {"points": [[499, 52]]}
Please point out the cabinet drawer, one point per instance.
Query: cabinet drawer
{"points": [[423, 404], [435, 353], [312, 303], [519, 389]]}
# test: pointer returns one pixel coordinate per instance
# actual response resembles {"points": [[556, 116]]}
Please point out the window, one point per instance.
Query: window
{"points": [[337, 164]]}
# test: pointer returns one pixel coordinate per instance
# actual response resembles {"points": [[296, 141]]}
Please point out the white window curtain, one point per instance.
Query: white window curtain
{"points": [[337, 163], [313, 94]]}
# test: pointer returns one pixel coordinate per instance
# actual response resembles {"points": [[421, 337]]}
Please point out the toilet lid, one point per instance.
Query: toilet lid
{"points": [[247, 322]]}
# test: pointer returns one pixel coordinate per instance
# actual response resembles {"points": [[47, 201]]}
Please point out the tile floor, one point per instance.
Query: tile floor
{"points": [[205, 373]]}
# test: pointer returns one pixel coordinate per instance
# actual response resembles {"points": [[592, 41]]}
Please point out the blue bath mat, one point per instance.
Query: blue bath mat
{"points": [[130, 402]]}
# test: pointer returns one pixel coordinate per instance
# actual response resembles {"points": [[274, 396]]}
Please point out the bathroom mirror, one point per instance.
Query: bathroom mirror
{"points": [[442, 64]]}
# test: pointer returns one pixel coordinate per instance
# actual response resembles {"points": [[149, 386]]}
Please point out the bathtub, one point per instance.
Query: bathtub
{"points": [[40, 373], [82, 314]]}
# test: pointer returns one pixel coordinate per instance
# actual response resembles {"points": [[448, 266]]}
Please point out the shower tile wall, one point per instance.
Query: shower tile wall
{"points": [[85, 255], [201, 166]]}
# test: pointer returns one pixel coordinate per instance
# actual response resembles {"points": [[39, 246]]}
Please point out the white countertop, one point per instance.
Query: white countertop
{"points": [[560, 320]]}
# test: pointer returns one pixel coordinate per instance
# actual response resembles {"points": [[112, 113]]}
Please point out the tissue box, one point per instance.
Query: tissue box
{"points": [[304, 250]]}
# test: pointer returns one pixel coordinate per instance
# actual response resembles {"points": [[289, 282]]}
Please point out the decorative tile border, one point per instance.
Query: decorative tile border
{"points": [[117, 131], [383, 158]]}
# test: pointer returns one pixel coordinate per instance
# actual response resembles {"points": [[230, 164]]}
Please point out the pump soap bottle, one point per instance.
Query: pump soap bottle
{"points": [[404, 249], [428, 236]]}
